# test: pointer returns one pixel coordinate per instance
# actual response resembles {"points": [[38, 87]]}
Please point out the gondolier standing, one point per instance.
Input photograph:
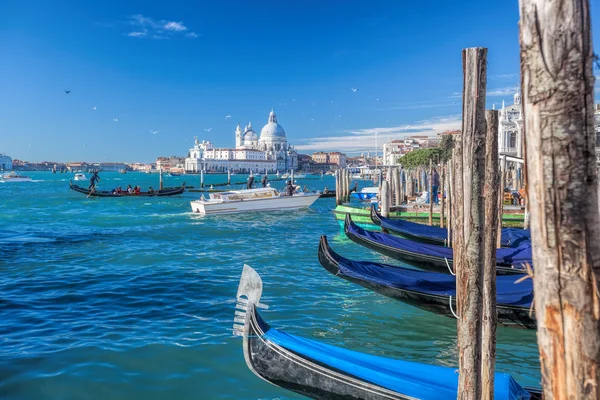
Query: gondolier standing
{"points": [[95, 178], [264, 180]]}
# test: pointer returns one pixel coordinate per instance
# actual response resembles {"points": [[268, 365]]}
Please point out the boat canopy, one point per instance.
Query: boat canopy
{"points": [[250, 194]]}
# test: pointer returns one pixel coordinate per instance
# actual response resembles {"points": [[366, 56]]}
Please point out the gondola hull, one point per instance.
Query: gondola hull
{"points": [[440, 260], [511, 237], [508, 315], [322, 371], [103, 193]]}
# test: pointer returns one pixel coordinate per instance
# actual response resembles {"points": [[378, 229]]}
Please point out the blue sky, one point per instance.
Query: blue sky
{"points": [[180, 68]]}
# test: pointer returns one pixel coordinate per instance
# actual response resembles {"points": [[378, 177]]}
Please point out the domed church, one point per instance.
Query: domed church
{"points": [[269, 152], [272, 141]]}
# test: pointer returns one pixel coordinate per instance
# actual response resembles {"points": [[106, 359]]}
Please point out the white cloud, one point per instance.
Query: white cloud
{"points": [[361, 140], [158, 29], [137, 34], [505, 76], [175, 26], [505, 91]]}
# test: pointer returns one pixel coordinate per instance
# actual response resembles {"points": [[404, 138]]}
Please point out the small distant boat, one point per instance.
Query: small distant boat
{"points": [[367, 193], [122, 171], [250, 200], [80, 177], [174, 174], [322, 371], [14, 177], [106, 193]]}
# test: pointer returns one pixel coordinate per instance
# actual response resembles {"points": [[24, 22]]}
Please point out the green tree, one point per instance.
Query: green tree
{"points": [[421, 157]]}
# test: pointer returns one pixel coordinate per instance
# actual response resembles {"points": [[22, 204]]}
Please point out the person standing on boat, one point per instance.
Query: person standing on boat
{"points": [[289, 189], [264, 180], [435, 184], [250, 182], [95, 178]]}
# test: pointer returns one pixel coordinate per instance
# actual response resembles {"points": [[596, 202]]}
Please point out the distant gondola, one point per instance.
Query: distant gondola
{"points": [[321, 371], [511, 237], [105, 193], [430, 256], [430, 291], [331, 193]]}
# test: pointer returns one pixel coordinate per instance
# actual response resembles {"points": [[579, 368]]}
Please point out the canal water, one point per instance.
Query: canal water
{"points": [[133, 298]]}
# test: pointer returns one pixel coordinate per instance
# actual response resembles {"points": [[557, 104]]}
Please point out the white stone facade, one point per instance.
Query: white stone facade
{"points": [[510, 128], [5, 163], [271, 152]]}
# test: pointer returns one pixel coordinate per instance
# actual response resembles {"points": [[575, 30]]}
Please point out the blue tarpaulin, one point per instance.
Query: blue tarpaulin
{"points": [[511, 237], [420, 381], [507, 291], [508, 256]]}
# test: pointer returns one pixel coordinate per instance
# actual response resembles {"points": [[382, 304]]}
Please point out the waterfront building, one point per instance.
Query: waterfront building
{"points": [[510, 128], [268, 152], [337, 158], [168, 163], [6, 163]]}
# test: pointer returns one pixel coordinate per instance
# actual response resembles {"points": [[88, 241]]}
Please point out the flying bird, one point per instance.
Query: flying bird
{"points": [[208, 130], [67, 91], [116, 119], [354, 90], [227, 116], [154, 132], [94, 108]]}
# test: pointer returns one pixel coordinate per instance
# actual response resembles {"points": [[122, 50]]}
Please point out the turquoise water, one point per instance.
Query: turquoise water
{"points": [[133, 298]]}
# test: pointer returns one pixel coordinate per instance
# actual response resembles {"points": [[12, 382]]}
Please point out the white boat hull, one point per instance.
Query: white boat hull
{"points": [[271, 204], [16, 180]]}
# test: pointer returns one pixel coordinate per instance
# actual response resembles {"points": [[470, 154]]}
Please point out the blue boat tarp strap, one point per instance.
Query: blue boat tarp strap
{"points": [[507, 291], [511, 237], [512, 256], [422, 381]]}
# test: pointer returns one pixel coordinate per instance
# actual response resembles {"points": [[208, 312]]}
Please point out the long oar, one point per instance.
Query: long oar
{"points": [[91, 191]]}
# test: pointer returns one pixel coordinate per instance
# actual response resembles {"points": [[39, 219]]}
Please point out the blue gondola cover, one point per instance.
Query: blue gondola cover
{"points": [[422, 381], [511, 237], [510, 256]]}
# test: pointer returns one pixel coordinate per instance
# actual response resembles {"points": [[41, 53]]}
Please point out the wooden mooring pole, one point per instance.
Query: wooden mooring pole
{"points": [[469, 249], [430, 187], [338, 189], [557, 83], [490, 234], [443, 201], [385, 198]]}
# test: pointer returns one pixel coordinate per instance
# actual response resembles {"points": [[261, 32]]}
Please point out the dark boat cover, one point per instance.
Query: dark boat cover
{"points": [[421, 381], [509, 256], [507, 292], [511, 237]]}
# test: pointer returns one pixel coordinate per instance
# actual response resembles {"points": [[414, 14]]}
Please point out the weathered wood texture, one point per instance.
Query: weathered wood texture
{"points": [[470, 248], [384, 195], [490, 190], [501, 200], [443, 200], [558, 88], [430, 185], [451, 188]]}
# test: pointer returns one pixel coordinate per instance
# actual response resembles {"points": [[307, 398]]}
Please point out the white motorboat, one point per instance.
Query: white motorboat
{"points": [[263, 199], [14, 177], [80, 177]]}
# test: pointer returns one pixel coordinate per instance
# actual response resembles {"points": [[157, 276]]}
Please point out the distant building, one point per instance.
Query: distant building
{"points": [[320, 157], [510, 128], [167, 163], [337, 158], [112, 166], [269, 152], [6, 163]]}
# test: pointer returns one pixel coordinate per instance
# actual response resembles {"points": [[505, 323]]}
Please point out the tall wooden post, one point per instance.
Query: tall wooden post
{"points": [[470, 247], [338, 189], [385, 198], [202, 178], [558, 92], [501, 200], [160, 184], [347, 185], [451, 201], [398, 185], [228, 176], [430, 187], [443, 201], [490, 234]]}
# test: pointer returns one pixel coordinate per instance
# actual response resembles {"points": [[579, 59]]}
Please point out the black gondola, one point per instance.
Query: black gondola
{"points": [[511, 237], [105, 193], [430, 256], [331, 193], [322, 371], [430, 291]]}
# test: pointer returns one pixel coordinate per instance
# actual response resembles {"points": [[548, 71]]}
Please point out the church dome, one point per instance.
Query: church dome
{"points": [[272, 129], [250, 136]]}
